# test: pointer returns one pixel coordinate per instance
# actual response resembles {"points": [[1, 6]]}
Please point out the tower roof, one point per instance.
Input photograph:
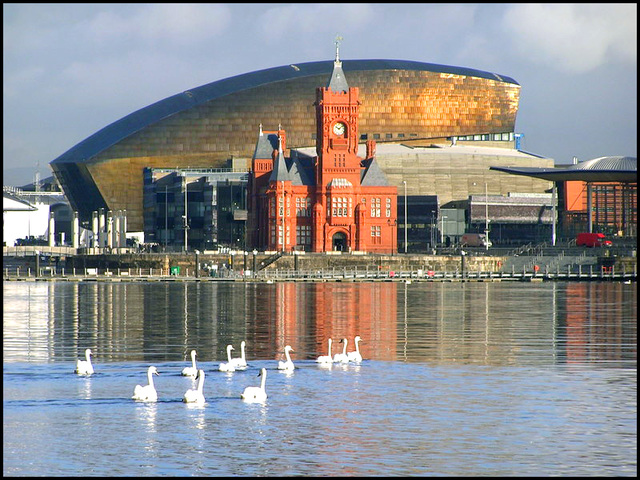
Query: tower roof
{"points": [[280, 172], [338, 82]]}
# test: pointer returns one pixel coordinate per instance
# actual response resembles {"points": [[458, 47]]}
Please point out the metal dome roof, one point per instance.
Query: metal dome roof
{"points": [[603, 169], [607, 163]]}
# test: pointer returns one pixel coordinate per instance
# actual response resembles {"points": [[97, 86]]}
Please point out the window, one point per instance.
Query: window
{"points": [[303, 235], [375, 207], [388, 207], [376, 136], [303, 207], [389, 135], [375, 234]]}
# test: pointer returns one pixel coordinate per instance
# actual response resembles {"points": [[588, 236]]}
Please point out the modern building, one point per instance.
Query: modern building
{"points": [[598, 195], [438, 128], [195, 209]]}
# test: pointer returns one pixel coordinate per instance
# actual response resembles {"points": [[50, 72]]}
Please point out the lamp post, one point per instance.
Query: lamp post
{"points": [[405, 215], [185, 211], [486, 217]]}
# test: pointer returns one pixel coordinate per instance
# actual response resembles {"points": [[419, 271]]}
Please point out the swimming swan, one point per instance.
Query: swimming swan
{"points": [[84, 367], [227, 367], [240, 363], [288, 365], [191, 371], [325, 358], [256, 394], [342, 357], [355, 356], [148, 392], [195, 396]]}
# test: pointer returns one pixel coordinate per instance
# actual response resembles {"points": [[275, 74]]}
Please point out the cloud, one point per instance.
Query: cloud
{"points": [[166, 24], [575, 38], [301, 19]]}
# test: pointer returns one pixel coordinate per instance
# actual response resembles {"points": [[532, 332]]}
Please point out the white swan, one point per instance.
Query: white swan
{"points": [[84, 367], [256, 394], [355, 356], [148, 392], [227, 367], [191, 371], [288, 365], [196, 396], [240, 363], [342, 357], [326, 358]]}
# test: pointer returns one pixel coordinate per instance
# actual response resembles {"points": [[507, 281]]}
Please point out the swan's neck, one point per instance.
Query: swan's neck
{"points": [[357, 347], [329, 347], [150, 375], [242, 351], [344, 349], [263, 382], [286, 354], [229, 354], [88, 357], [201, 382], [193, 360]]}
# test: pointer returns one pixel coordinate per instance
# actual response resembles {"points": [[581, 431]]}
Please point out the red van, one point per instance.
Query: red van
{"points": [[592, 240]]}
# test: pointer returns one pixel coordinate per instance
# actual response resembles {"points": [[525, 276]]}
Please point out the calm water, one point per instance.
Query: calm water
{"points": [[483, 379]]}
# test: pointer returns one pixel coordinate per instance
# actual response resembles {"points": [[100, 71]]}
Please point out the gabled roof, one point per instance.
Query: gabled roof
{"points": [[280, 172], [372, 174]]}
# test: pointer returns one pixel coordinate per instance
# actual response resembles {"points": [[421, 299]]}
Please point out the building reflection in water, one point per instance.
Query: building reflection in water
{"points": [[486, 323]]}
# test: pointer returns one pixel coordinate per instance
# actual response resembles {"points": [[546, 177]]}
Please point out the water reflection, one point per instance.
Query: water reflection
{"points": [[482, 323]]}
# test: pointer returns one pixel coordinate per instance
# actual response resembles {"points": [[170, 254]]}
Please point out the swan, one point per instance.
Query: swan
{"points": [[227, 367], [355, 356], [288, 365], [342, 357], [325, 358], [84, 367], [195, 396], [242, 361], [191, 371], [148, 392], [256, 394]]}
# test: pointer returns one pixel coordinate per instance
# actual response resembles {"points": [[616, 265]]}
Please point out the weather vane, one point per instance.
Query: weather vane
{"points": [[338, 40]]}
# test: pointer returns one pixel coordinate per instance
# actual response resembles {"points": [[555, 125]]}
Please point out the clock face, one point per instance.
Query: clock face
{"points": [[339, 128]]}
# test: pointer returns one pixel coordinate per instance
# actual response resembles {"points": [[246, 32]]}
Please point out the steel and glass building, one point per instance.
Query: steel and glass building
{"points": [[447, 125]]}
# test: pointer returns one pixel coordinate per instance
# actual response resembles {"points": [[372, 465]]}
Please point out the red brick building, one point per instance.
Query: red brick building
{"points": [[335, 201]]}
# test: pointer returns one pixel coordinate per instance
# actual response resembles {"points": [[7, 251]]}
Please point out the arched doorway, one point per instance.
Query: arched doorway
{"points": [[339, 242]]}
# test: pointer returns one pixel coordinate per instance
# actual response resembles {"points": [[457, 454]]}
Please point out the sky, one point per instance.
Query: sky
{"points": [[71, 69]]}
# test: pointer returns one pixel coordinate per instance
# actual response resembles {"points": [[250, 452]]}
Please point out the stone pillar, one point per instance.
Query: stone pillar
{"points": [[110, 229], [75, 231], [102, 241], [94, 229], [52, 229]]}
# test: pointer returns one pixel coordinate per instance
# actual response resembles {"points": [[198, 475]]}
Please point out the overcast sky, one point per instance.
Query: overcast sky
{"points": [[71, 69]]}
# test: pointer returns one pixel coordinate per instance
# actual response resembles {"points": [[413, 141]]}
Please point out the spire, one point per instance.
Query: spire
{"points": [[280, 171], [338, 83]]}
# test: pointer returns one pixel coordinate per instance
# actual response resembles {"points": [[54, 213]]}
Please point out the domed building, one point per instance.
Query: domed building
{"points": [[438, 129]]}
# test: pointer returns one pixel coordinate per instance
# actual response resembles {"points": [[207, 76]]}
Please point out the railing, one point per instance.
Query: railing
{"points": [[571, 272]]}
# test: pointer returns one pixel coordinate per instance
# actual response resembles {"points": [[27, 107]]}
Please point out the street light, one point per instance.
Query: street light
{"points": [[405, 216], [486, 217]]}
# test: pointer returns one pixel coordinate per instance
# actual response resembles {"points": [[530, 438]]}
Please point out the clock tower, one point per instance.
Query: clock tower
{"points": [[337, 110]]}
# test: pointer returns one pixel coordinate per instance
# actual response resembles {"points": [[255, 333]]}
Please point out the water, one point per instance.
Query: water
{"points": [[461, 379]]}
